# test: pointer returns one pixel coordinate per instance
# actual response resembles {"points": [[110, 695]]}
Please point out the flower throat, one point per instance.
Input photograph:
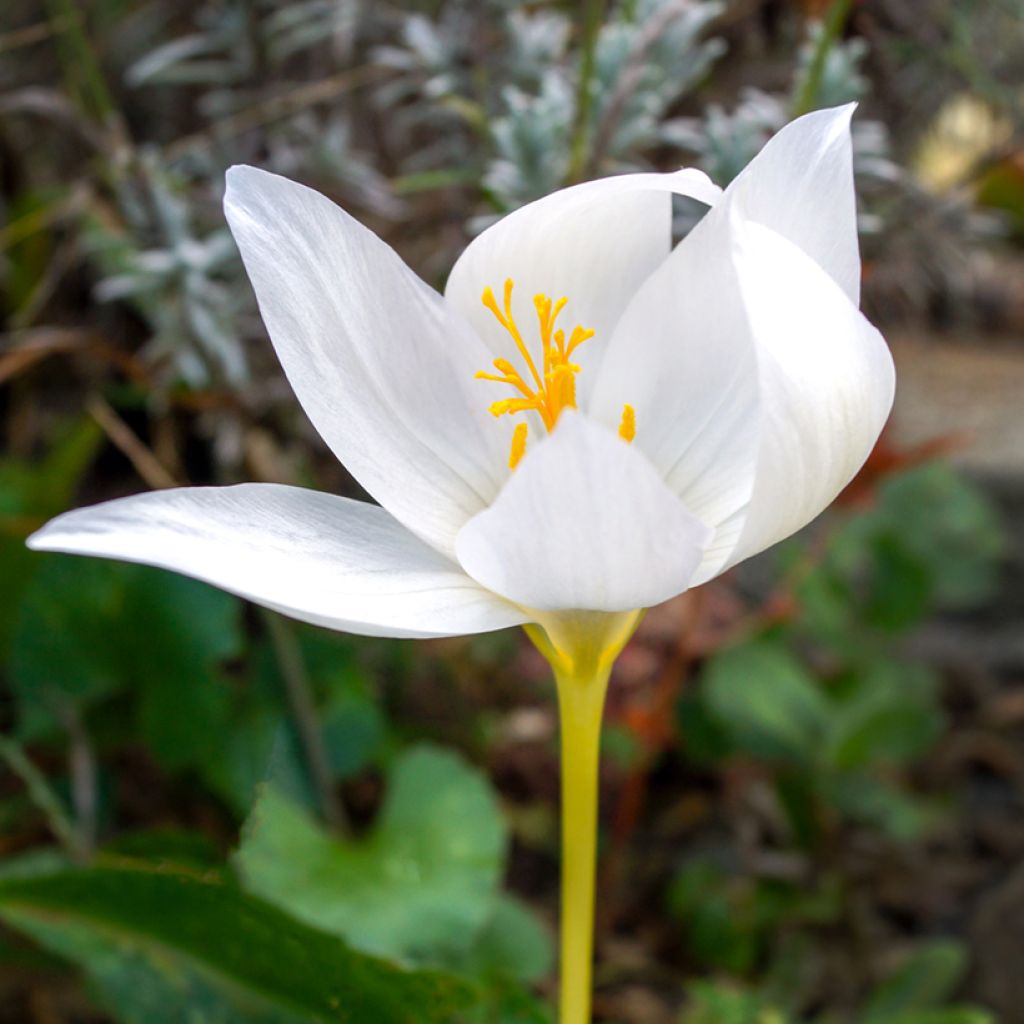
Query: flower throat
{"points": [[552, 387]]}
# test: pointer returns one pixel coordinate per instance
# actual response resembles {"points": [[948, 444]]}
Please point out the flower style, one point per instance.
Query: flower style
{"points": [[589, 422]]}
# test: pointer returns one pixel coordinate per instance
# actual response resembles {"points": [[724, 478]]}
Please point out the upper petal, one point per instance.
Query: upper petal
{"points": [[331, 561], [592, 243], [801, 186], [381, 365], [585, 522], [825, 382]]}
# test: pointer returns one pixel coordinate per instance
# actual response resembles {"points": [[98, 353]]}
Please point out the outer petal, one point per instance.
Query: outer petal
{"points": [[585, 522], [686, 353], [592, 243], [323, 559], [826, 384], [381, 365], [683, 356], [801, 185]]}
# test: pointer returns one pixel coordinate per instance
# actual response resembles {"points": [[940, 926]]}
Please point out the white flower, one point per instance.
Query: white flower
{"points": [[681, 410]]}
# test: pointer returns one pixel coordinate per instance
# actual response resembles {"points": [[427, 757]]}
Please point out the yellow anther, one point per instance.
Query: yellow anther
{"points": [[627, 428], [518, 445]]}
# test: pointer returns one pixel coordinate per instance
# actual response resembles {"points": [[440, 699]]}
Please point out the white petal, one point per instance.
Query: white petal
{"points": [[592, 243], [381, 365], [323, 559], [685, 354], [683, 357], [801, 185], [584, 522], [826, 383]]}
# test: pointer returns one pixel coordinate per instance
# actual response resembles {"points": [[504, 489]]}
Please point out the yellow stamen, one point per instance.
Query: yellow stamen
{"points": [[550, 389], [508, 322], [553, 387], [627, 428], [518, 445]]}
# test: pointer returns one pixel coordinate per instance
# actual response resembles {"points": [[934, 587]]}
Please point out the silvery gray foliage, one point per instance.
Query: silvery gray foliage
{"points": [[645, 63], [182, 282], [645, 60], [725, 141], [385, 107], [293, 29], [531, 140], [221, 52], [518, 105], [841, 78], [175, 262]]}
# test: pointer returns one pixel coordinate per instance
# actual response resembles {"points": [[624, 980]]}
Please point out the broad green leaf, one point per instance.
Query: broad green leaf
{"points": [[890, 717], [960, 539], [262, 745], [505, 1003], [513, 944], [900, 587], [258, 747], [419, 886], [718, 916], [941, 1015], [880, 804], [714, 1003], [62, 647], [30, 493], [175, 636], [765, 701], [90, 629], [164, 946], [925, 980], [167, 845]]}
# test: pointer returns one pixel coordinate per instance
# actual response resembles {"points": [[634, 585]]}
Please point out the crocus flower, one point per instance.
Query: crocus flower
{"points": [[588, 421]]}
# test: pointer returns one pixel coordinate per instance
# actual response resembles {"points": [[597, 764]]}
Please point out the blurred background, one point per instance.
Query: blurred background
{"points": [[813, 783]]}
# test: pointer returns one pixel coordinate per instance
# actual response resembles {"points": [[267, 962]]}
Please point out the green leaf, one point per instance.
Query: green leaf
{"points": [[717, 915], [926, 979], [513, 944], [717, 1003], [891, 716], [880, 804], [74, 604], [176, 634], [419, 886], [766, 702], [262, 745], [943, 1015], [166, 845], [163, 946], [30, 493], [961, 540], [113, 628], [900, 588]]}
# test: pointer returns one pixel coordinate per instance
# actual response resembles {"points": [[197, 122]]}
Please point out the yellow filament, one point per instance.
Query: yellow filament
{"points": [[518, 445], [549, 389], [627, 428]]}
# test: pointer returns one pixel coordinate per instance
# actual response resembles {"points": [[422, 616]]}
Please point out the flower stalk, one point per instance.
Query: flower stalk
{"points": [[581, 648], [580, 703]]}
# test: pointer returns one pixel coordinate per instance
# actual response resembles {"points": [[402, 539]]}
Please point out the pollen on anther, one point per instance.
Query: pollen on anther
{"points": [[518, 445], [627, 427]]}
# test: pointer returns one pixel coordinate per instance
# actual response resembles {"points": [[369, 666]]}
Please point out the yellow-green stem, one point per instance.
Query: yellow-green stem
{"points": [[580, 702]]}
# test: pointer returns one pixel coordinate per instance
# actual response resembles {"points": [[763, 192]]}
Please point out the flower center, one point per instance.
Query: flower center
{"points": [[549, 389]]}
